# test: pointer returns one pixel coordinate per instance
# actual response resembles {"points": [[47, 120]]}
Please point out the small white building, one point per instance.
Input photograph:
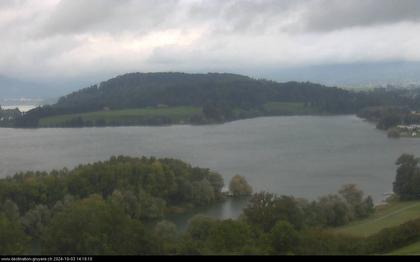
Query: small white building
{"points": [[409, 127]]}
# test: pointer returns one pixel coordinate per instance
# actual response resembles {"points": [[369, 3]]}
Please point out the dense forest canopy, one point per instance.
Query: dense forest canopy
{"points": [[118, 207], [220, 96], [164, 182], [174, 89]]}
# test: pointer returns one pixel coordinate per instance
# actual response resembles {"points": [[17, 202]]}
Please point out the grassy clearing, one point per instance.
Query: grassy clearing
{"points": [[393, 214], [413, 249], [176, 114], [283, 108]]}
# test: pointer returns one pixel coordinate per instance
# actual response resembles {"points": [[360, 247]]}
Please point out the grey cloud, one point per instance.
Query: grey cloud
{"points": [[305, 15], [241, 16], [11, 3], [78, 15], [42, 38], [225, 16], [81, 16], [327, 15]]}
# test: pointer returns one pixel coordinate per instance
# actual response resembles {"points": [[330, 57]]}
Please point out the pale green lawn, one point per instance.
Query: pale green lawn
{"points": [[413, 249], [175, 113], [285, 108], [391, 215]]}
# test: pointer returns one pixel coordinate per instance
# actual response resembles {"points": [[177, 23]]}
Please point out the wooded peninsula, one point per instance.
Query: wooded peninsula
{"points": [[180, 98]]}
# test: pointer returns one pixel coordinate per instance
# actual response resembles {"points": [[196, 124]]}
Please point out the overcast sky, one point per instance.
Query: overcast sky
{"points": [[53, 39]]}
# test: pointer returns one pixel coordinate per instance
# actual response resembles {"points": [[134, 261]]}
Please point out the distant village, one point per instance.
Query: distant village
{"points": [[7, 115], [409, 130]]}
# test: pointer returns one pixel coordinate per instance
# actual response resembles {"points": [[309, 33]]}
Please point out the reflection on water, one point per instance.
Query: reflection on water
{"points": [[231, 208]]}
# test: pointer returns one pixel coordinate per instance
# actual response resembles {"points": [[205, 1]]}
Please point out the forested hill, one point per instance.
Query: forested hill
{"points": [[175, 89], [216, 97]]}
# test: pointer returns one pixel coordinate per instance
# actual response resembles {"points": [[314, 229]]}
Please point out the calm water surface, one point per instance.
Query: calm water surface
{"points": [[306, 156]]}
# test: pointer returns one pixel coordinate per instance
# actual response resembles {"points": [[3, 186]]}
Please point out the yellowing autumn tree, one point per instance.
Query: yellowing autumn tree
{"points": [[238, 186]]}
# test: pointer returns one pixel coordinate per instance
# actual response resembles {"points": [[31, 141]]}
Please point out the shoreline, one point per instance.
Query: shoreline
{"points": [[211, 123]]}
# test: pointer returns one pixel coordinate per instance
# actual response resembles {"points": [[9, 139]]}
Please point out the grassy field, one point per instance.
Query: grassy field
{"points": [[283, 108], [413, 249], [393, 214], [176, 114]]}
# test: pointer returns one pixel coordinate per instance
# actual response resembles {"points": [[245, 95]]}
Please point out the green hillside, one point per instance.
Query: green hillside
{"points": [[413, 249], [390, 215]]}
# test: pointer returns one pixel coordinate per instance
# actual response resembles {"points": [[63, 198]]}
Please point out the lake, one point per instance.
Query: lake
{"points": [[304, 156]]}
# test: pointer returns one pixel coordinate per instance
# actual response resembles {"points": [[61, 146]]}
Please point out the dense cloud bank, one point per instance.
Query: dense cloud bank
{"points": [[52, 39]]}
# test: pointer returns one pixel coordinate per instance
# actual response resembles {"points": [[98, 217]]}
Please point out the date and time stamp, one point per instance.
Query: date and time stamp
{"points": [[48, 259]]}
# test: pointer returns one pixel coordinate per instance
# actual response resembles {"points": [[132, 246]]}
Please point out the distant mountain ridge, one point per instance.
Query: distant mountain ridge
{"points": [[353, 75], [360, 75], [14, 88]]}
